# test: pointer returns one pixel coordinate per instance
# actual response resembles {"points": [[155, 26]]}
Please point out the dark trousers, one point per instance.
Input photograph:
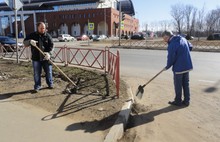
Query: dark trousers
{"points": [[181, 82], [37, 66]]}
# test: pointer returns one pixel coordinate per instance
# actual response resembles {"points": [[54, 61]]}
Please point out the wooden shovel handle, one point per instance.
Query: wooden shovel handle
{"points": [[154, 77]]}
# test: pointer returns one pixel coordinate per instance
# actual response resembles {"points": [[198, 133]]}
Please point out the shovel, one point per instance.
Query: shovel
{"points": [[73, 90], [140, 90]]}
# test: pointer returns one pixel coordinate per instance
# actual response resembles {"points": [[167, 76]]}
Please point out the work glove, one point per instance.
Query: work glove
{"points": [[46, 56], [33, 42]]}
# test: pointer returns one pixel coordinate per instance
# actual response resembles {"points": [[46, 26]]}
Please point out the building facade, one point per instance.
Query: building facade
{"points": [[75, 22], [73, 19]]}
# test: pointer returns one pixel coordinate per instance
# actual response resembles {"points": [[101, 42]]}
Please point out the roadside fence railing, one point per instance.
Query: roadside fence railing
{"points": [[102, 59]]}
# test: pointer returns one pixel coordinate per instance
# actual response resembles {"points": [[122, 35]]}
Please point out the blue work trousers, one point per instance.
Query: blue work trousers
{"points": [[181, 84], [37, 66]]}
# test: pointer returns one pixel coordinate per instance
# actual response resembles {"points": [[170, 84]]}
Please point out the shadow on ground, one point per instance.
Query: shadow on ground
{"points": [[5, 97], [94, 126], [11, 94], [104, 124], [137, 120], [213, 89], [67, 108], [86, 97]]}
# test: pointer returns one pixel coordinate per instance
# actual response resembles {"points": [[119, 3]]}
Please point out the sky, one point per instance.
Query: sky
{"points": [[151, 11]]}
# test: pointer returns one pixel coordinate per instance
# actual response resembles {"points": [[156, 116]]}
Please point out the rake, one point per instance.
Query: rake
{"points": [[74, 89]]}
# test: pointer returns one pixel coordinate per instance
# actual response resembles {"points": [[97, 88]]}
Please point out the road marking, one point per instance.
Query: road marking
{"points": [[207, 81]]}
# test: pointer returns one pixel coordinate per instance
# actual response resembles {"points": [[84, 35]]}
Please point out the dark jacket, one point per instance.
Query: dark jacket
{"points": [[179, 55], [45, 43]]}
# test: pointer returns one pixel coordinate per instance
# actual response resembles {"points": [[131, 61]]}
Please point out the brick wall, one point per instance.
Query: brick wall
{"points": [[56, 19]]}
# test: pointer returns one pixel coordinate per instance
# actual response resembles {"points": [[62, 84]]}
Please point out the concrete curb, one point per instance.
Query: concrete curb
{"points": [[117, 130]]}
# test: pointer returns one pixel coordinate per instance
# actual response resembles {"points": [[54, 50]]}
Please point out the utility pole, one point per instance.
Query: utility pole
{"points": [[15, 5], [23, 24], [105, 19], [119, 44], [16, 29], [88, 31]]}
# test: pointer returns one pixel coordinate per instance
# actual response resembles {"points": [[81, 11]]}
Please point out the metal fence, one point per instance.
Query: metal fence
{"points": [[203, 45], [102, 59]]}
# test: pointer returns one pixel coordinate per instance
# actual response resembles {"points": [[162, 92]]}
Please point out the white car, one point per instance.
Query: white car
{"points": [[65, 37], [102, 37]]}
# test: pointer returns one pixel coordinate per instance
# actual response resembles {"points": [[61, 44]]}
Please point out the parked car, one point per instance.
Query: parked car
{"points": [[96, 38], [9, 43], [138, 37], [187, 36], [65, 37], [215, 36], [102, 37], [83, 37], [99, 37], [125, 37], [92, 36]]}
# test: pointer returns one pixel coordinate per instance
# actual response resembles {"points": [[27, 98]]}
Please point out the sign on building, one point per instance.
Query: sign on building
{"points": [[14, 4], [122, 25], [91, 26]]}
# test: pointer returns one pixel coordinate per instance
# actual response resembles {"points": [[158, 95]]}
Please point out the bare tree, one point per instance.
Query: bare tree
{"points": [[193, 21], [177, 12], [188, 12], [190, 17], [145, 26], [211, 20], [217, 23], [165, 25], [200, 21]]}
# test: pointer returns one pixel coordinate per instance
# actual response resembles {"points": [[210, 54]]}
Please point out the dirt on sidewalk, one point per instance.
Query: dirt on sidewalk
{"points": [[157, 121]]}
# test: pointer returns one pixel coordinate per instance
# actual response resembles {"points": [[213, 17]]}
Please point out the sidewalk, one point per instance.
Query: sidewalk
{"points": [[22, 123]]}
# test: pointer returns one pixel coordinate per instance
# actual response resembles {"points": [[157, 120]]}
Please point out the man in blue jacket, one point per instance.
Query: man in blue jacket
{"points": [[180, 60]]}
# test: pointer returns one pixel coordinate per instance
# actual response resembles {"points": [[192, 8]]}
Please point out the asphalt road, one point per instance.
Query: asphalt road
{"points": [[140, 63]]}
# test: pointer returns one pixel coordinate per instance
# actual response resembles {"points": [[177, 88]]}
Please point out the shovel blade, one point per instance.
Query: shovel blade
{"points": [[140, 92]]}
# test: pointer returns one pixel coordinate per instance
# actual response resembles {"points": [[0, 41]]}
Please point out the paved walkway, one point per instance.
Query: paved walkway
{"points": [[22, 123]]}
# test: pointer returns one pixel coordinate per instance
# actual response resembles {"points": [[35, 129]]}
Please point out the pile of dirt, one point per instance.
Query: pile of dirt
{"points": [[140, 108], [95, 100]]}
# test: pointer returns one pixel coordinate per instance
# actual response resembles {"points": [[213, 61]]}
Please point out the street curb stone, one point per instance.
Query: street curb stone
{"points": [[116, 132]]}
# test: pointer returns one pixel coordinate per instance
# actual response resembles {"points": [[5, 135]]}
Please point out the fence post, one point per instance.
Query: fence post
{"points": [[108, 60], [1, 51], [118, 73], [105, 60], [65, 56], [29, 53]]}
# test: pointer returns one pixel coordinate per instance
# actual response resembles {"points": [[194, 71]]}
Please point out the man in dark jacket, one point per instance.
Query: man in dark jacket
{"points": [[44, 41], [180, 60]]}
